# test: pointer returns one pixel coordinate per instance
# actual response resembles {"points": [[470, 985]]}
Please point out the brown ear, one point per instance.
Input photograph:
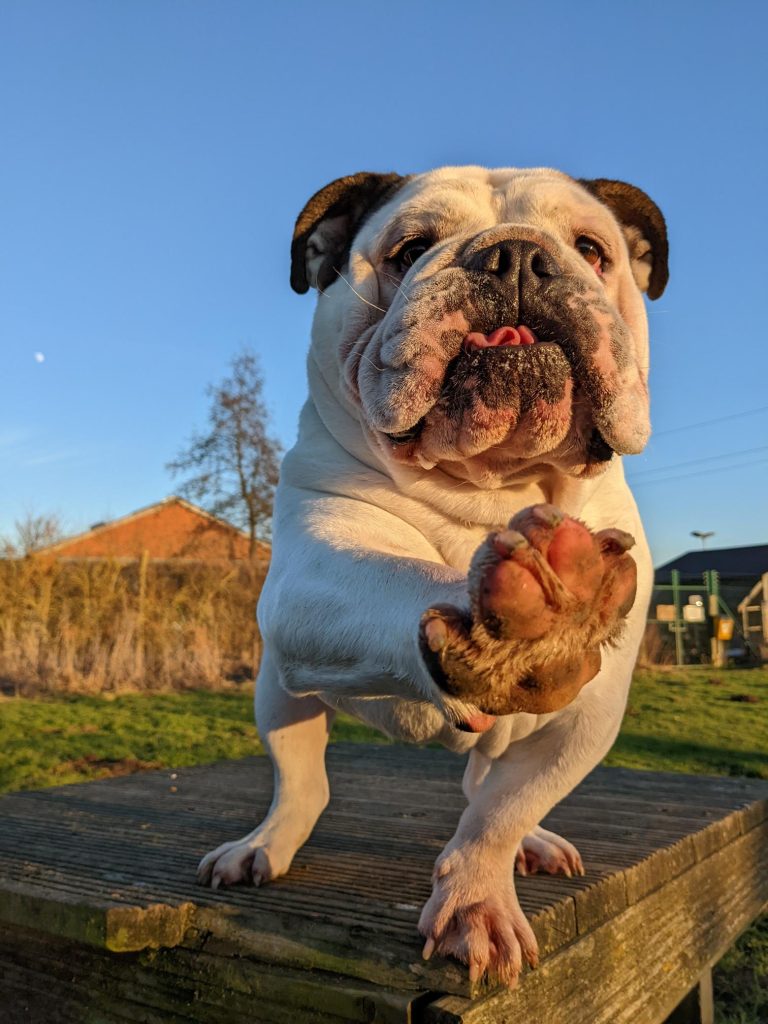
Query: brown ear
{"points": [[644, 229], [328, 224]]}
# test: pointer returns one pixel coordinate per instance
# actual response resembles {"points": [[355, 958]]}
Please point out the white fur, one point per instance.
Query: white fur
{"points": [[362, 547]]}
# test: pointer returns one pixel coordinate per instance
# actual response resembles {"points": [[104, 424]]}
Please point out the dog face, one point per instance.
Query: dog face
{"points": [[489, 322]]}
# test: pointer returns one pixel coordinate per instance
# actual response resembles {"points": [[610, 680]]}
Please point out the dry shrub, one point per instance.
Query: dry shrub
{"points": [[656, 647], [95, 626]]}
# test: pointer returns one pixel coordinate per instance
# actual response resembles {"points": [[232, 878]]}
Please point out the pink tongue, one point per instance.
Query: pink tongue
{"points": [[478, 723], [502, 337]]}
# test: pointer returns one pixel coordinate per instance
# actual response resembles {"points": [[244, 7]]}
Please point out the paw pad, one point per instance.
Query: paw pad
{"points": [[544, 595]]}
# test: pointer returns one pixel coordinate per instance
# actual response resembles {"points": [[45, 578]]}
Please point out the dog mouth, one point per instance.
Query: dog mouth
{"points": [[505, 337], [506, 345], [502, 337]]}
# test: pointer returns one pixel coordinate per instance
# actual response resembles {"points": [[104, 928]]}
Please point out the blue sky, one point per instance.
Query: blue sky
{"points": [[155, 154]]}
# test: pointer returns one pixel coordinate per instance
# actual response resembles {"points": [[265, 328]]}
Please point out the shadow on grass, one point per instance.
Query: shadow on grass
{"points": [[347, 729], [663, 753]]}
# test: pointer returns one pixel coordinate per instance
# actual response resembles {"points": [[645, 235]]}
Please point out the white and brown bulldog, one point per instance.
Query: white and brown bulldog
{"points": [[452, 528]]}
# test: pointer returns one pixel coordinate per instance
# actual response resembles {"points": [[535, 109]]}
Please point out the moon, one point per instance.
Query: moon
{"points": [[39, 357]]}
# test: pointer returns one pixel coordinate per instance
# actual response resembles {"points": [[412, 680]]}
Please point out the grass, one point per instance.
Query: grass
{"points": [[677, 720], [52, 741], [741, 979], [697, 720], [693, 720]]}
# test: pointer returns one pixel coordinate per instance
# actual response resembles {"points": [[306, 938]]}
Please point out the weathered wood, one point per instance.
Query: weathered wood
{"points": [[698, 1007], [60, 981], [635, 968], [96, 882]]}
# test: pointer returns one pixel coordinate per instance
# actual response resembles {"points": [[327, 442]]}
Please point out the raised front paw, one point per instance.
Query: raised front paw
{"points": [[544, 595], [474, 915]]}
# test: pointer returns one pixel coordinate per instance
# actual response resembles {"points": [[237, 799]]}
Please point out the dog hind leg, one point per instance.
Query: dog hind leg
{"points": [[295, 733], [542, 850]]}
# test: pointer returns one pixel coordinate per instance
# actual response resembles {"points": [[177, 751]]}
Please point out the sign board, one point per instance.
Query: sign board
{"points": [[694, 613]]}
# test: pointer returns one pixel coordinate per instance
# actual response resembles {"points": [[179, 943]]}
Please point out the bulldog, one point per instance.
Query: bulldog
{"points": [[457, 556]]}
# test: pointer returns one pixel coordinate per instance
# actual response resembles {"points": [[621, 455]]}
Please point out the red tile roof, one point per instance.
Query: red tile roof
{"points": [[171, 529]]}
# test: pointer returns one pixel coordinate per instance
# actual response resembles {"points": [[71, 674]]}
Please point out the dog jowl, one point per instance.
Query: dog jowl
{"points": [[439, 278], [457, 556]]}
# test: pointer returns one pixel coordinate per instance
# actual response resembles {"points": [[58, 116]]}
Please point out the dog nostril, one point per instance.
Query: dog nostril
{"points": [[492, 262], [542, 266], [503, 260]]}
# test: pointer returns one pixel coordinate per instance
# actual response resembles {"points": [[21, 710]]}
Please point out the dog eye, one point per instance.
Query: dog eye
{"points": [[411, 251], [591, 252]]}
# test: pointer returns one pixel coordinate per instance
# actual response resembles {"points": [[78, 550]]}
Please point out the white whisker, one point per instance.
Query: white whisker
{"points": [[397, 284], [357, 293], [381, 369]]}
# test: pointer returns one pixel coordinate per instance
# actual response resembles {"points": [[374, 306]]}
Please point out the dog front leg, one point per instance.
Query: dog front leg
{"points": [[295, 732], [473, 913]]}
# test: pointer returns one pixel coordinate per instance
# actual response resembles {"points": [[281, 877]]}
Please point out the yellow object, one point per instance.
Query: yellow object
{"points": [[725, 629]]}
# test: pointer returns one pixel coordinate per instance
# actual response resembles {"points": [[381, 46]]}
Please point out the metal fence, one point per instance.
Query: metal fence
{"points": [[691, 623]]}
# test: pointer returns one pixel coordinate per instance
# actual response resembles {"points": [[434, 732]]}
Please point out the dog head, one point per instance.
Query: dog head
{"points": [[487, 322]]}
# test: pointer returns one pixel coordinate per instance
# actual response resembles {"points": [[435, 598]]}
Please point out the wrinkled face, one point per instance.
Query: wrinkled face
{"points": [[491, 322]]}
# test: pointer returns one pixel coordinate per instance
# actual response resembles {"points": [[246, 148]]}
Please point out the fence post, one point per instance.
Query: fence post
{"points": [[140, 617], [717, 646], [679, 653]]}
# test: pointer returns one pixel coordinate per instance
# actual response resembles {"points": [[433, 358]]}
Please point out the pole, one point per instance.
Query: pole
{"points": [[712, 580], [679, 653]]}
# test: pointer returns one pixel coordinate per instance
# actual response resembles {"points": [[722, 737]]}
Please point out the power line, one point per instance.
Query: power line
{"points": [[706, 423], [699, 472], [692, 462]]}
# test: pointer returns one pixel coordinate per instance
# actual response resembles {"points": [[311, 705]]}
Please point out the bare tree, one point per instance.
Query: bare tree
{"points": [[235, 462], [32, 533]]}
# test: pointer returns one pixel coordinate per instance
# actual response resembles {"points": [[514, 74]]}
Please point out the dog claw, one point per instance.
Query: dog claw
{"points": [[436, 634], [442, 869], [615, 542], [429, 949], [507, 541], [548, 515]]}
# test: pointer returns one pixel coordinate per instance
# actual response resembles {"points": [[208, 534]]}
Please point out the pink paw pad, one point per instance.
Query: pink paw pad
{"points": [[544, 595]]}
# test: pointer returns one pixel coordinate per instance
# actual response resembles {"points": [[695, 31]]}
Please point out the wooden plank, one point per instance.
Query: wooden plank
{"points": [[112, 863], [68, 982], [635, 968], [698, 1007]]}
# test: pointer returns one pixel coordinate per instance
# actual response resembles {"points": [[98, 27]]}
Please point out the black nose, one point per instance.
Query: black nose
{"points": [[515, 260]]}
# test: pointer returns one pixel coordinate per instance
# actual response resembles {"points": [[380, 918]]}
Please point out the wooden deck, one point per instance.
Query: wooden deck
{"points": [[100, 919]]}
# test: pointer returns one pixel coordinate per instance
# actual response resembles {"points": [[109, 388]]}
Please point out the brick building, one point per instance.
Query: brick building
{"points": [[171, 529]]}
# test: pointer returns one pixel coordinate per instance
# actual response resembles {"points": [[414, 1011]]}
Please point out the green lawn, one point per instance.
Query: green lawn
{"points": [[71, 739], [690, 720], [683, 720], [696, 720]]}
